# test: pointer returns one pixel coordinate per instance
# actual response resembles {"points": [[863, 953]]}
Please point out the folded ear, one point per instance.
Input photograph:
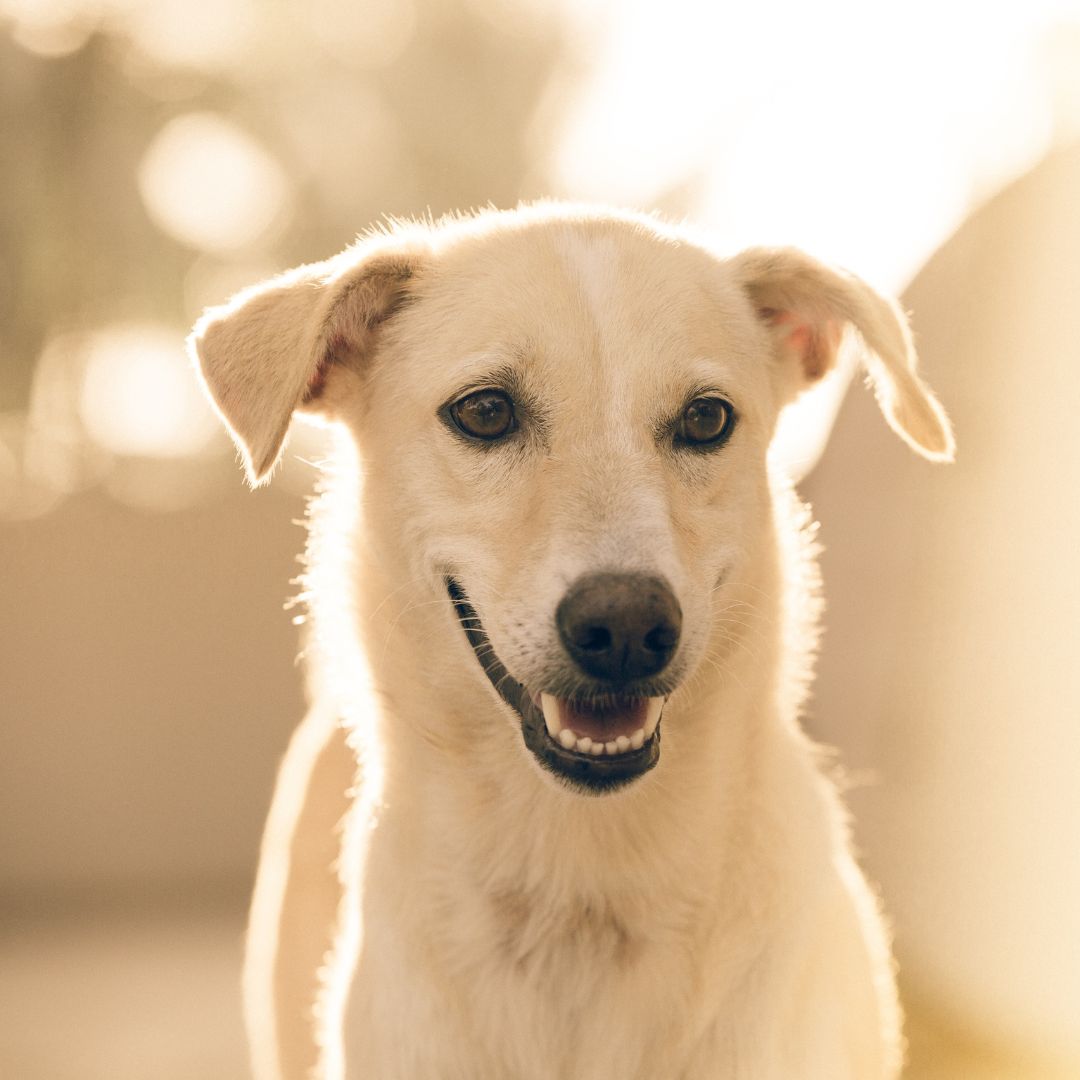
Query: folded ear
{"points": [[292, 342], [808, 307]]}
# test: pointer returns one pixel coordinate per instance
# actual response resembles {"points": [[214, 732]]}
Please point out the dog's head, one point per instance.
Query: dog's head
{"points": [[563, 418]]}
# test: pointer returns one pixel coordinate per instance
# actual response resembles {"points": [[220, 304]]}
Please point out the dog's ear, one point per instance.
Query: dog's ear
{"points": [[295, 343], [808, 307]]}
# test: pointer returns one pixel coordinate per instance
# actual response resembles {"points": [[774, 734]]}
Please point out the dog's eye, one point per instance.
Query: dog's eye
{"points": [[484, 414], [706, 421]]}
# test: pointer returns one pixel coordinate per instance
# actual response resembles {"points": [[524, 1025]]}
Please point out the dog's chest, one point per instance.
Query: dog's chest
{"points": [[509, 987]]}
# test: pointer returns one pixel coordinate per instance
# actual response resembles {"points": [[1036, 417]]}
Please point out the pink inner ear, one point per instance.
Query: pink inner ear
{"points": [[317, 383], [814, 344]]}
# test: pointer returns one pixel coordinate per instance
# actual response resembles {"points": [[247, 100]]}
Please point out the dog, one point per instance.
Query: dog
{"points": [[552, 814]]}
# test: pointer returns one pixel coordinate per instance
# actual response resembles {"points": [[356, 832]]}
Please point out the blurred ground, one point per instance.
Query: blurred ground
{"points": [[141, 992]]}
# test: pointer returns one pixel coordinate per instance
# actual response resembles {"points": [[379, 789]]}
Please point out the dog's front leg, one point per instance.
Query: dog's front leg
{"points": [[296, 964]]}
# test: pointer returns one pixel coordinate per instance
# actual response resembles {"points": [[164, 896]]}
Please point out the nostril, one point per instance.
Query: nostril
{"points": [[662, 638], [594, 639]]}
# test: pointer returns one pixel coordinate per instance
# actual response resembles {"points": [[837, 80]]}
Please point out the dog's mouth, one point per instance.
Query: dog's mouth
{"points": [[598, 743]]}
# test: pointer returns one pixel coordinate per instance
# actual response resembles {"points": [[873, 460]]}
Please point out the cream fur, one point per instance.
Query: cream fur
{"points": [[708, 921]]}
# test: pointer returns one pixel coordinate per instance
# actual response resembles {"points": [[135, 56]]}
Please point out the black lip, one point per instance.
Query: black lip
{"points": [[588, 774]]}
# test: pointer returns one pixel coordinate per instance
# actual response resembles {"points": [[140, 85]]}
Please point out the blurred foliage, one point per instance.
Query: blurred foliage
{"points": [[431, 110]]}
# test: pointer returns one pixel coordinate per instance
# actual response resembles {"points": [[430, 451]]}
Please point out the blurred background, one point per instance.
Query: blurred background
{"points": [[156, 155]]}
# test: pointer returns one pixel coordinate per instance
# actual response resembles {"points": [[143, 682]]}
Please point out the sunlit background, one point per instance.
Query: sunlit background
{"points": [[156, 155]]}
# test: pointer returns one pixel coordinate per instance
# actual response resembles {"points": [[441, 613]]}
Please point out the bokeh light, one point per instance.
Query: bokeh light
{"points": [[208, 184], [179, 33], [50, 28], [138, 396], [865, 145]]}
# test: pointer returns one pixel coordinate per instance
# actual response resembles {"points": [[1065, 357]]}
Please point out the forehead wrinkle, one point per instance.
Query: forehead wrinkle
{"points": [[593, 267], [593, 264]]}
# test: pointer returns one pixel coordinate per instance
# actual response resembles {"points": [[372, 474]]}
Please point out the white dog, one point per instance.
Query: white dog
{"points": [[576, 833]]}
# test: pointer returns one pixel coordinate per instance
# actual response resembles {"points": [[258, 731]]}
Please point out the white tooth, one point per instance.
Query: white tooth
{"points": [[637, 740], [612, 747], [584, 744], [597, 749], [550, 705], [622, 744], [567, 739], [652, 716]]}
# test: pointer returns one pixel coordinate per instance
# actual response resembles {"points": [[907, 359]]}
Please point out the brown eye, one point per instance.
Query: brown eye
{"points": [[484, 414], [706, 421]]}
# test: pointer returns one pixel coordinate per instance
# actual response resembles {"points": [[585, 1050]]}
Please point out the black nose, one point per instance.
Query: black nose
{"points": [[619, 626]]}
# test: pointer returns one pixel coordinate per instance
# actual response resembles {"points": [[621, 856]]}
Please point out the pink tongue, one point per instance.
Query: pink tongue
{"points": [[622, 716]]}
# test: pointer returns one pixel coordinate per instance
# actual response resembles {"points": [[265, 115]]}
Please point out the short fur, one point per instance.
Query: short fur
{"points": [[430, 902]]}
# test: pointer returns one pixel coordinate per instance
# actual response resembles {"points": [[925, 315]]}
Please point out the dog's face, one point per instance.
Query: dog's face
{"points": [[564, 423], [577, 456]]}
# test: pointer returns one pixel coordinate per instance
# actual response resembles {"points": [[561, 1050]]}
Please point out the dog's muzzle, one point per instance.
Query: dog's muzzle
{"points": [[620, 632]]}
